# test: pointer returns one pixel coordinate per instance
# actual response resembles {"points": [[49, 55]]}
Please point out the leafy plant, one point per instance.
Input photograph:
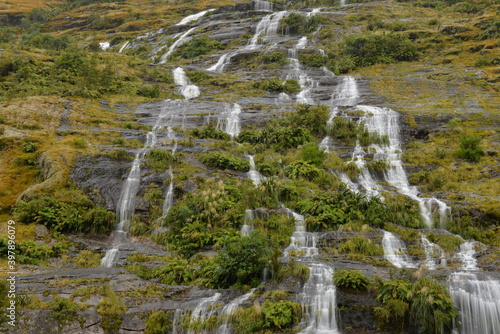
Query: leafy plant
{"points": [[351, 280], [470, 148], [158, 322], [225, 161], [198, 46], [280, 314], [302, 169]]}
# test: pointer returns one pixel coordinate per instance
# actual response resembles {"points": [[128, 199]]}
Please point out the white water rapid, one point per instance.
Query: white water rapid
{"points": [[395, 251], [305, 82], [266, 27], [302, 243]]}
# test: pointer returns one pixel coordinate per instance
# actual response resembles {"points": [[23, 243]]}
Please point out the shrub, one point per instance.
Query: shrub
{"points": [[312, 59], [424, 303], [63, 311], [351, 280], [302, 169], [200, 45], [360, 244], [277, 85], [158, 322], [370, 49], [274, 57], [29, 146], [241, 261], [225, 161], [87, 259], [160, 159], [295, 23], [470, 148], [152, 91], [209, 131], [280, 314], [312, 154], [111, 309]]}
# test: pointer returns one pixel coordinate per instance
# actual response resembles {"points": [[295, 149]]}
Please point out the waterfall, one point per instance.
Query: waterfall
{"points": [[188, 90], [253, 174], [204, 310], [433, 253], [221, 63], [231, 122], [263, 5], [319, 301], [228, 311], [126, 203], [301, 241], [194, 17], [303, 79], [247, 228], [395, 251], [169, 197], [172, 47], [123, 46], [467, 255], [325, 144], [477, 302], [268, 26]]}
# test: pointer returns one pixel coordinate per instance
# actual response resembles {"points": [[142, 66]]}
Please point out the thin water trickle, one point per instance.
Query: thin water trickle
{"points": [[247, 227], [395, 251], [266, 27], [178, 42], [228, 311], [123, 46], [126, 203], [194, 17], [302, 243]]}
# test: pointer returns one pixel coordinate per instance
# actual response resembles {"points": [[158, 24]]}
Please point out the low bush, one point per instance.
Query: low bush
{"points": [[198, 46], [312, 59], [209, 131], [470, 148], [352, 280], [225, 161]]}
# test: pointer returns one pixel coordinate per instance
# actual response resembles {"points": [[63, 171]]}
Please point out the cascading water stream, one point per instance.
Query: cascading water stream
{"points": [[172, 47], [305, 82], [194, 17], [434, 254], [124, 46], [253, 174], [319, 301], [268, 26], [126, 203], [188, 90], [230, 121], [263, 5], [302, 243], [476, 299], [247, 228], [228, 311], [395, 251]]}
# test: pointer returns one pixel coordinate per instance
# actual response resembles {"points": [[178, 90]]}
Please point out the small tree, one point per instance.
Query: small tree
{"points": [[470, 148]]}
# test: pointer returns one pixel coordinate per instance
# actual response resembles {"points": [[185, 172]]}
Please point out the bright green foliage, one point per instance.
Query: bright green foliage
{"points": [[63, 311], [225, 161], [29, 252], [292, 268], [268, 164], [111, 309], [277, 85], [450, 243], [209, 131], [198, 46], [65, 216], [278, 227], [152, 91], [279, 138], [159, 322], [29, 146], [160, 159], [274, 57], [312, 118], [470, 148], [312, 154], [241, 261], [424, 303], [402, 211], [351, 280], [295, 23], [362, 245], [370, 49], [344, 130], [87, 259], [312, 59], [327, 210], [301, 169], [280, 314], [179, 271]]}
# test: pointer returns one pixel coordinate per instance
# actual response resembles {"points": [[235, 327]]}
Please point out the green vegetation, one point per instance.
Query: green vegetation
{"points": [[198, 46], [424, 303], [470, 149], [277, 85], [225, 161], [352, 280], [295, 23]]}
